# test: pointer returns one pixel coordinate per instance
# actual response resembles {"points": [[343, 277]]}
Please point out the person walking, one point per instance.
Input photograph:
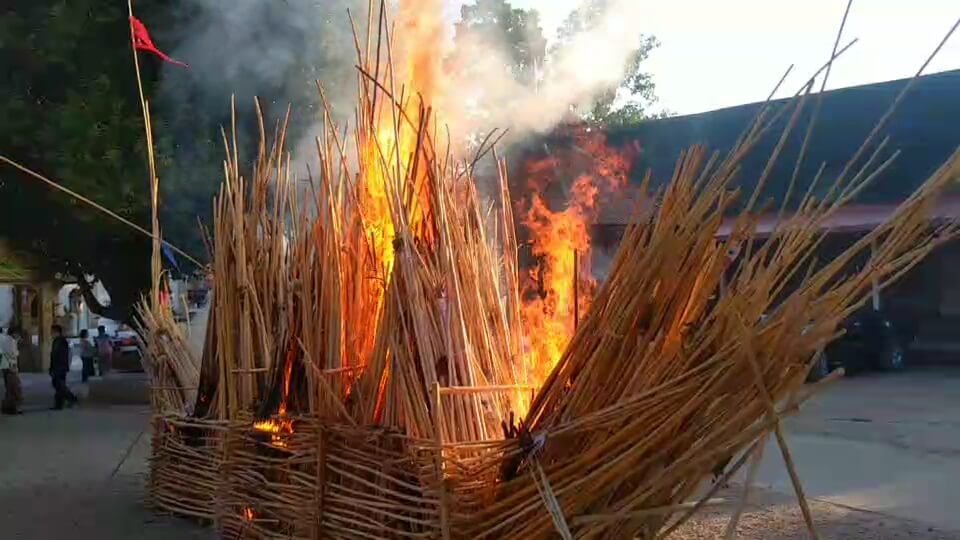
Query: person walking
{"points": [[104, 350], [87, 353], [59, 367], [9, 355]]}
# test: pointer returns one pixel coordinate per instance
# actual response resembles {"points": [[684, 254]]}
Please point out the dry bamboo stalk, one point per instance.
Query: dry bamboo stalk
{"points": [[359, 313]]}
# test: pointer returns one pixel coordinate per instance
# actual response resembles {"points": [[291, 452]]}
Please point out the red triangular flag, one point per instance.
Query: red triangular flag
{"points": [[142, 41]]}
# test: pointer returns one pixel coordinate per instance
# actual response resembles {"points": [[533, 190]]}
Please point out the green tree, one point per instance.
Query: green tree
{"points": [[69, 109], [630, 102], [518, 31], [496, 21]]}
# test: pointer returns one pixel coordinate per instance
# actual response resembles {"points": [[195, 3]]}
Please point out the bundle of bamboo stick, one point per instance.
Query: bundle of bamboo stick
{"points": [[375, 297], [353, 299], [173, 369]]}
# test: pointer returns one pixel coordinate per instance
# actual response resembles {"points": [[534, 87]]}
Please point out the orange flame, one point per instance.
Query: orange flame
{"points": [[387, 154], [560, 241], [281, 426], [278, 428], [385, 157]]}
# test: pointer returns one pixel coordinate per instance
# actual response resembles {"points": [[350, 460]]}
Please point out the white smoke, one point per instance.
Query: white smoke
{"points": [[586, 65], [276, 50], [271, 50]]}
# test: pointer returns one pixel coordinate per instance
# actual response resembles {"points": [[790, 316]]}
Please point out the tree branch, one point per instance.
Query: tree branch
{"points": [[109, 311]]}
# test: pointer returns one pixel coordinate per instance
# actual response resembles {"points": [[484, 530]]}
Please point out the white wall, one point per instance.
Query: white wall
{"points": [[85, 319], [6, 305]]}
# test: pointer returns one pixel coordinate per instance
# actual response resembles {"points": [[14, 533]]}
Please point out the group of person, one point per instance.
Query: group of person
{"points": [[98, 354]]}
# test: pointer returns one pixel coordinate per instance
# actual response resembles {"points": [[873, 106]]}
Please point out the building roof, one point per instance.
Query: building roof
{"points": [[925, 128], [621, 207], [854, 218]]}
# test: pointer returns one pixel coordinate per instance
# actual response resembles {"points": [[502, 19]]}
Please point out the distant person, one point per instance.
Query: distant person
{"points": [[59, 367], [87, 355], [104, 350], [9, 355]]}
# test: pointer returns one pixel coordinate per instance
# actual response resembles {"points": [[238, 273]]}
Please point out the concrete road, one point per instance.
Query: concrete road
{"points": [[56, 466], [882, 443], [774, 516]]}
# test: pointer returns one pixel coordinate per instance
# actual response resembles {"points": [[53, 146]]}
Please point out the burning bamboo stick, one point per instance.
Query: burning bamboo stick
{"points": [[380, 309]]}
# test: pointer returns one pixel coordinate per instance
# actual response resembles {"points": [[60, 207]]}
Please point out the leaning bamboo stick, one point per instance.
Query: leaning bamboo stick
{"points": [[368, 346]]}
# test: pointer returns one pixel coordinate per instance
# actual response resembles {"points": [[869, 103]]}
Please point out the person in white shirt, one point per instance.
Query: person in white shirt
{"points": [[9, 356]]}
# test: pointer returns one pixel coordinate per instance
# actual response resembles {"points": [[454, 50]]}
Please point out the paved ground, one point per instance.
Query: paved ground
{"points": [[877, 454], [918, 411], [774, 516], [884, 443], [55, 469]]}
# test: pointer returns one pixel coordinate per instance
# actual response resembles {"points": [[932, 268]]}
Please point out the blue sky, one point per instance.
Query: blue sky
{"points": [[726, 52]]}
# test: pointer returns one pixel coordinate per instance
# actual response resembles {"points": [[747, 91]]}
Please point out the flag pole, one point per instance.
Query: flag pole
{"points": [[155, 267]]}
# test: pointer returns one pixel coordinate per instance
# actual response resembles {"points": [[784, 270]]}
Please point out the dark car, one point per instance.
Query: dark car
{"points": [[197, 298], [870, 342], [126, 350]]}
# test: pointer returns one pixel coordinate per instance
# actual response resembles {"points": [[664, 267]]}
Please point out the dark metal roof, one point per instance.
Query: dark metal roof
{"points": [[925, 128]]}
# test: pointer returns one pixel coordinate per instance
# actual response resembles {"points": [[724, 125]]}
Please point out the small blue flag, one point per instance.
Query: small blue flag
{"points": [[168, 253]]}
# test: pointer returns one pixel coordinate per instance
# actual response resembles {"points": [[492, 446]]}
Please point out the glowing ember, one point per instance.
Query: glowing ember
{"points": [[281, 426], [278, 428], [248, 514], [560, 241]]}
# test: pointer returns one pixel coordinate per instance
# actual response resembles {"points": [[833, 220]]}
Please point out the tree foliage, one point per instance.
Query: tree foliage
{"points": [[630, 102], [497, 21], [69, 109], [518, 32]]}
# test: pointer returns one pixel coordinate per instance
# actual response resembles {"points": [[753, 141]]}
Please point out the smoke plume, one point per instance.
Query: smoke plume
{"points": [[587, 64], [249, 48], [276, 50]]}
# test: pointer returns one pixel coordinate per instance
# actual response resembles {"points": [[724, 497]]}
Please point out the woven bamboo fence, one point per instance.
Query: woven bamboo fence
{"points": [[337, 481]]}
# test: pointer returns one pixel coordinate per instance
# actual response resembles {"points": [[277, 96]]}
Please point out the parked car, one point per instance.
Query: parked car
{"points": [[197, 298], [870, 342], [126, 350]]}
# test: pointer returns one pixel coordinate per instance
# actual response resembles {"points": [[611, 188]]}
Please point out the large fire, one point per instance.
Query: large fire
{"points": [[558, 288], [386, 158], [387, 152], [389, 198]]}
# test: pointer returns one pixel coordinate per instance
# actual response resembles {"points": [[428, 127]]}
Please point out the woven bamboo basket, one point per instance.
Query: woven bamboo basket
{"points": [[327, 480], [186, 466], [320, 481], [363, 384]]}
